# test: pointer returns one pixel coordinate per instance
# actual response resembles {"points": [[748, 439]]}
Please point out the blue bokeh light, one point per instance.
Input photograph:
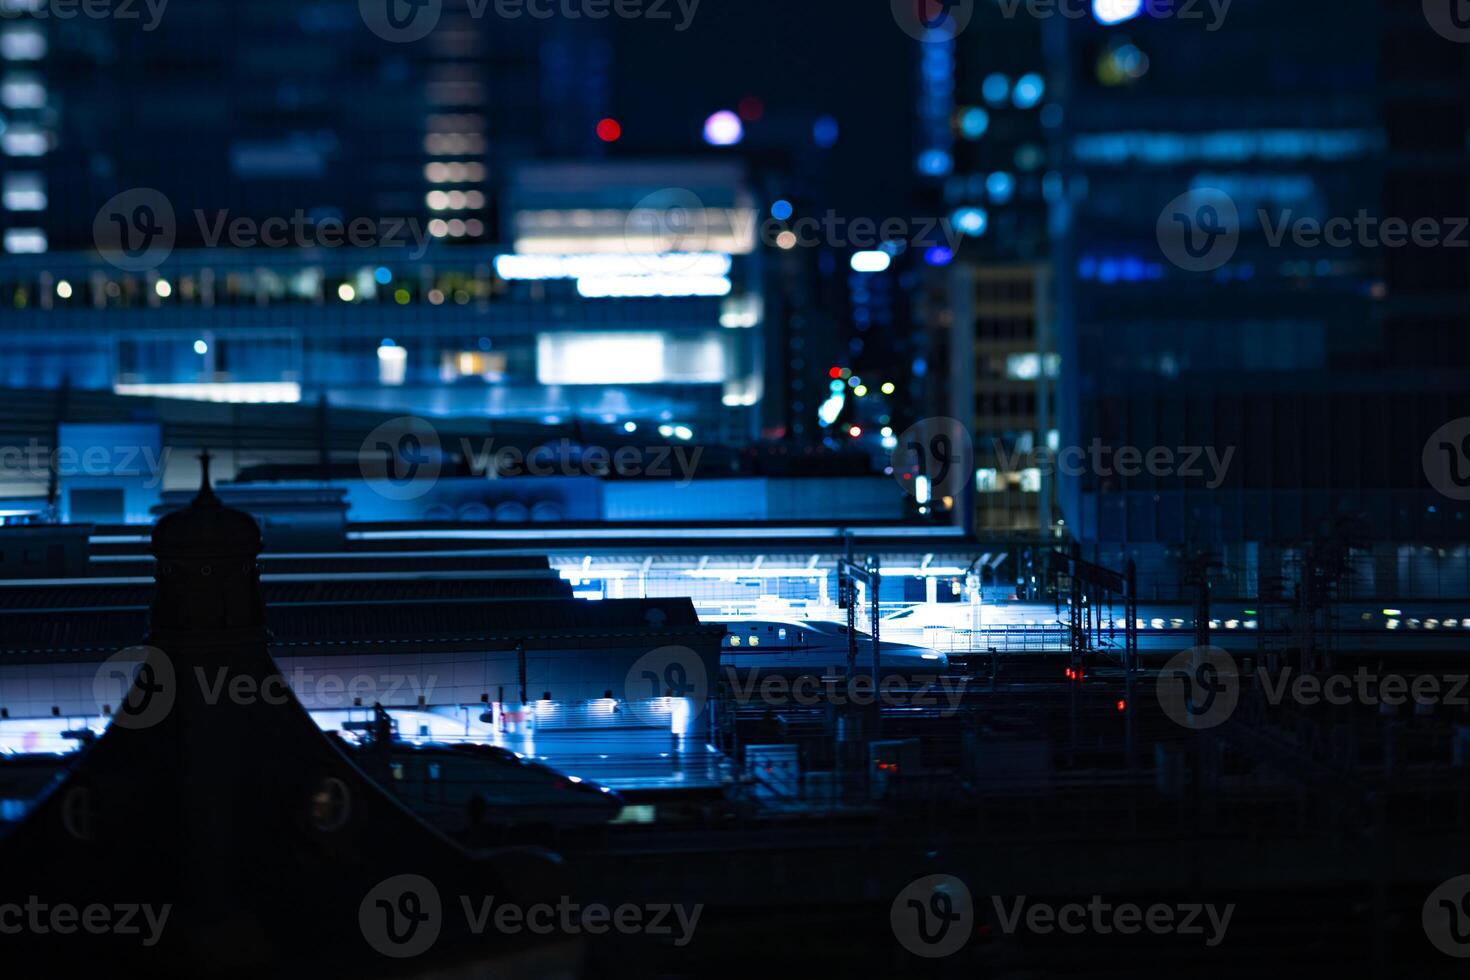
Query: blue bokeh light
{"points": [[974, 122], [971, 221], [825, 132], [995, 88], [1029, 90], [935, 163]]}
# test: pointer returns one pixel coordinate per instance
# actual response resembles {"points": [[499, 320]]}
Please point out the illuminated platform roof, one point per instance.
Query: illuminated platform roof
{"points": [[379, 627]]}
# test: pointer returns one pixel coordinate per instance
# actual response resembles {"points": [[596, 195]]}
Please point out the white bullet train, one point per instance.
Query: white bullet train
{"points": [[807, 645]]}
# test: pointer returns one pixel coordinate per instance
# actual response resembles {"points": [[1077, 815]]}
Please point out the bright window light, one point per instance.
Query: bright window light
{"points": [[870, 261]]}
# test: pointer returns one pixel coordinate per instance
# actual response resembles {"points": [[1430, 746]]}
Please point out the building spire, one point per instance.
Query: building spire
{"points": [[206, 494]]}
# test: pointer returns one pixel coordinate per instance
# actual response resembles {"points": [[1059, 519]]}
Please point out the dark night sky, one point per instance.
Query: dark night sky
{"points": [[803, 60]]}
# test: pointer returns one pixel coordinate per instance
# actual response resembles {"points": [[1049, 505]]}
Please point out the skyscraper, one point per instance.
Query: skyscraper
{"points": [[1199, 315]]}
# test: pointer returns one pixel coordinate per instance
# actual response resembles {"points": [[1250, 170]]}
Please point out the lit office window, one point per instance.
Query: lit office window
{"points": [[22, 90], [23, 141], [25, 241], [22, 42], [23, 192]]}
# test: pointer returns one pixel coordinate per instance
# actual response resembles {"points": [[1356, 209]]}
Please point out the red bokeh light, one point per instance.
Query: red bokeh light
{"points": [[609, 130], [751, 109]]}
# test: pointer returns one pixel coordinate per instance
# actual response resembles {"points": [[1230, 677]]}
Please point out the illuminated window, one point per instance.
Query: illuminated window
{"points": [[489, 365], [392, 364], [22, 90], [628, 358], [1023, 367], [23, 141], [24, 241], [24, 192], [22, 42]]}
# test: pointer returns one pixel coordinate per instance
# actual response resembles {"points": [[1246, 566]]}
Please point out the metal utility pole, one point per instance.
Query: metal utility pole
{"points": [[1197, 576], [1099, 581], [849, 573]]}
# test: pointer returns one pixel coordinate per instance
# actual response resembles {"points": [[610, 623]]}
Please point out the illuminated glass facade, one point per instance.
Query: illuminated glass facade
{"points": [[1309, 363]]}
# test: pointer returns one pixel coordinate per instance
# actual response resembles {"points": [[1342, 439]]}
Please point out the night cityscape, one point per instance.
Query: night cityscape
{"points": [[685, 488]]}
